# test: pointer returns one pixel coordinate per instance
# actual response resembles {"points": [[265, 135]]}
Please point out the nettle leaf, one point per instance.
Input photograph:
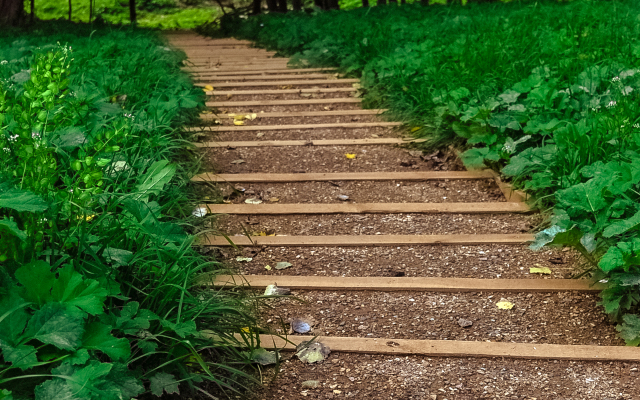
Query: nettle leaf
{"points": [[72, 289], [37, 280], [630, 329], [158, 175], [474, 158], [22, 356], [98, 337], [58, 325], [611, 260], [620, 227], [584, 196], [56, 389], [20, 200], [163, 382]]}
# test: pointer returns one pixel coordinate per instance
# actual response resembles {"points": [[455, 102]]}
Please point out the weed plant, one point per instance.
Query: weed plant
{"points": [[545, 91], [97, 291]]}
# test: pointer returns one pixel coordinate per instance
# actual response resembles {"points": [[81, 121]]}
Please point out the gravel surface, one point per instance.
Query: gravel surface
{"points": [[299, 107], [301, 134], [491, 261], [374, 224], [299, 159], [555, 318]]}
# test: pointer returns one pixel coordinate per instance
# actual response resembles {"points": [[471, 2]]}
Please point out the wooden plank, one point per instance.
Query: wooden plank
{"points": [[342, 176], [346, 125], [214, 72], [308, 77], [279, 91], [212, 116], [295, 102], [456, 348], [507, 189], [392, 284], [261, 68], [366, 240], [279, 83], [367, 208], [326, 142]]}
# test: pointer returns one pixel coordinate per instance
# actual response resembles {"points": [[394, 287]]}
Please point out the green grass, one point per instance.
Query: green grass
{"points": [[98, 298], [545, 91], [117, 12]]}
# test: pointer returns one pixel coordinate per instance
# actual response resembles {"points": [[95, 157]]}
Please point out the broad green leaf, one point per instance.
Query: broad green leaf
{"points": [[263, 356], [620, 227], [80, 357], [70, 288], [474, 158], [58, 325], [13, 316], [98, 337], [8, 227], [459, 93], [584, 196], [120, 378], [23, 356], [20, 200], [153, 181], [510, 96], [630, 329], [611, 260], [183, 329], [88, 381], [143, 212], [163, 382], [5, 395], [37, 280], [56, 389]]}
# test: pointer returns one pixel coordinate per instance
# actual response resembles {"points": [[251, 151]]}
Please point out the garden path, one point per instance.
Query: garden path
{"points": [[411, 269]]}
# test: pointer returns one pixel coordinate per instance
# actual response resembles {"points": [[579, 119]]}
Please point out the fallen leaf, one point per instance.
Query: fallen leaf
{"points": [[267, 267], [229, 95], [251, 117], [263, 356], [299, 325], [311, 384], [283, 265], [238, 123], [260, 134], [274, 199], [503, 304], [336, 391], [350, 156], [199, 212], [415, 153], [231, 115], [540, 270], [237, 162], [245, 259], [246, 329], [275, 290], [208, 87], [253, 200], [416, 128], [312, 352]]}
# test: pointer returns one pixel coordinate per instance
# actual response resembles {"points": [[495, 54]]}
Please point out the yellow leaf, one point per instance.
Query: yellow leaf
{"points": [[246, 329], [237, 122], [504, 304], [231, 115], [208, 87], [541, 270], [350, 156], [415, 128], [268, 267], [274, 199], [238, 117], [251, 117]]}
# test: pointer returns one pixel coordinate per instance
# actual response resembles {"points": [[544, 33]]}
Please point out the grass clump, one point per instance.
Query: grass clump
{"points": [[98, 298], [546, 91]]}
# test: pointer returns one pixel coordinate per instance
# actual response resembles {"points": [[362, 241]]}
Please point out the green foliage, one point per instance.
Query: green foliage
{"points": [[546, 91], [96, 261]]}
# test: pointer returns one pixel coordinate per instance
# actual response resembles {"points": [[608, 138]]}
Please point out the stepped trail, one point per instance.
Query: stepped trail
{"points": [[400, 257]]}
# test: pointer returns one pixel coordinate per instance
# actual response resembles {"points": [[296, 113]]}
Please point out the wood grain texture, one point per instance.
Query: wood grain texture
{"points": [[319, 142], [202, 72], [366, 240], [281, 102], [391, 284], [346, 125], [341, 176], [309, 78], [212, 116], [283, 82], [458, 348], [276, 91], [367, 208]]}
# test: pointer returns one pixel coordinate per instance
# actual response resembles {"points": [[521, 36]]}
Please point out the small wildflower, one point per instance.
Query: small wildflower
{"points": [[612, 104], [7, 150], [13, 138], [583, 88], [616, 79], [636, 126], [35, 135], [4, 62]]}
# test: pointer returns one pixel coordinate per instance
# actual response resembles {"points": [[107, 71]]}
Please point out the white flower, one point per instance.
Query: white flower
{"points": [[611, 104], [616, 79], [199, 212], [35, 135], [13, 138], [7, 150], [4, 62]]}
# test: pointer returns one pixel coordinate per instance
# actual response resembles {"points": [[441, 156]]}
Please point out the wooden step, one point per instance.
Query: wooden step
{"points": [[309, 78], [392, 284], [297, 102], [261, 115], [346, 125], [366, 240], [211, 71], [321, 142], [368, 208], [277, 83], [278, 91], [342, 176], [453, 348]]}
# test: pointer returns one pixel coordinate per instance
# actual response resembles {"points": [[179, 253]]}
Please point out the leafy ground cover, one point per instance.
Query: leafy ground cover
{"points": [[546, 92], [97, 299], [161, 14]]}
